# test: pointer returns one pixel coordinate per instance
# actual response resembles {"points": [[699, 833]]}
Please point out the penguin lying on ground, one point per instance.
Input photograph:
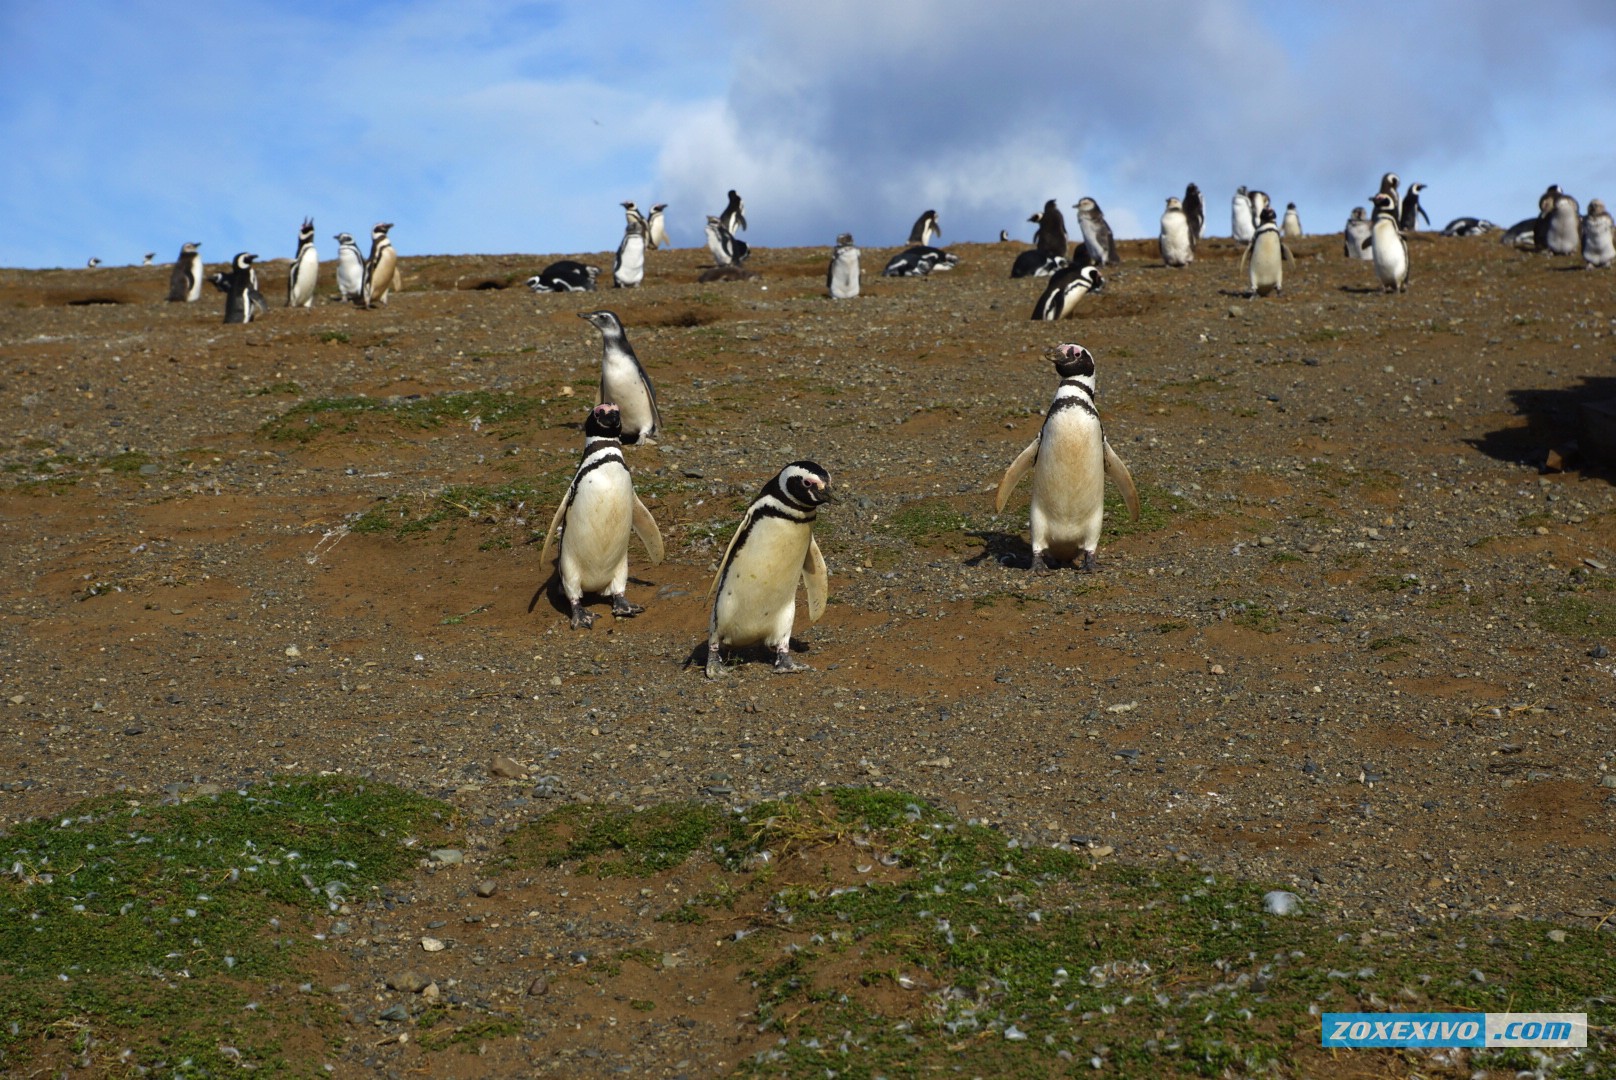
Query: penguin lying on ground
{"points": [[565, 275], [919, 261]]}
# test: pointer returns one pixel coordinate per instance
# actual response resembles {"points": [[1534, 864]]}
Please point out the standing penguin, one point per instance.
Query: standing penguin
{"points": [[723, 245], [1070, 460], [1097, 236], [1598, 242], [381, 268], [1564, 234], [1267, 254], [1356, 235], [925, 228], [734, 216], [1064, 290], [1387, 246], [1291, 227], [1177, 235], [185, 281], [1241, 224], [93, 262], [1195, 212], [623, 381], [755, 590], [632, 215], [1388, 186], [350, 267], [842, 277], [239, 289], [656, 230], [1410, 213], [145, 260], [305, 268], [1051, 236], [595, 519], [628, 267]]}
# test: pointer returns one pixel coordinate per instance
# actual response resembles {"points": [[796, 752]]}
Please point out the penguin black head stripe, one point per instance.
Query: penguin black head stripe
{"points": [[1073, 360]]}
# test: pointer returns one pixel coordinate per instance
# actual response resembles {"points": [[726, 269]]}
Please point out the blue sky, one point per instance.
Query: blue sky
{"points": [[499, 126]]}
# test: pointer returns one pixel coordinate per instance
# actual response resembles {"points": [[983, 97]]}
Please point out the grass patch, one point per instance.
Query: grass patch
{"points": [[611, 841], [1251, 614], [973, 955], [1578, 615], [154, 928], [310, 419], [333, 337], [1157, 506], [520, 503], [1392, 583], [927, 521]]}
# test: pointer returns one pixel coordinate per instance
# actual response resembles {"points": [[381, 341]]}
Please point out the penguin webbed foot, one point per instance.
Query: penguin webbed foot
{"points": [[1040, 565], [1088, 563], [622, 609], [581, 619], [784, 664], [715, 662]]}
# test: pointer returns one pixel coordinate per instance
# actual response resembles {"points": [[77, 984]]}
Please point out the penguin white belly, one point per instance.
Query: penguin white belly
{"points": [[1390, 256], [1267, 264], [307, 267], [350, 274], [1598, 243], [1563, 231], [594, 545], [1068, 488], [620, 384], [1175, 242], [630, 268], [758, 600], [197, 277]]}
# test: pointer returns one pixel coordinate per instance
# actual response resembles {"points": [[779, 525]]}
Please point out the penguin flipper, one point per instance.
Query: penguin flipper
{"points": [[1244, 255], [645, 528], [1421, 211], [1012, 476], [723, 564], [1368, 241], [1285, 252], [1118, 472], [555, 525], [815, 580]]}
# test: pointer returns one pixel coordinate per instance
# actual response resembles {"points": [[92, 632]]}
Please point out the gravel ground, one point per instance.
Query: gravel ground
{"points": [[1359, 645]]}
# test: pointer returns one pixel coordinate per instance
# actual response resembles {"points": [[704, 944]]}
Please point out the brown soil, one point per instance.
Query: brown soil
{"points": [[1357, 651]]}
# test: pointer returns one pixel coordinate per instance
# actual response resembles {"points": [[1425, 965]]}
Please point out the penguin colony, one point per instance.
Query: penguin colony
{"points": [[752, 599]]}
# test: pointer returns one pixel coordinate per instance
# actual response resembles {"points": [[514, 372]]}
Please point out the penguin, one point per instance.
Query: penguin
{"points": [[1064, 290], [1388, 186], [1387, 246], [1564, 233], [925, 228], [623, 381], [1468, 226], [754, 592], [238, 303], [725, 249], [1241, 223], [1034, 263], [564, 276], [1267, 254], [1096, 233], [734, 216], [1411, 210], [185, 281], [1070, 460], [919, 261], [145, 260], [350, 267], [628, 265], [1540, 224], [305, 268], [1356, 235], [632, 216], [842, 277], [1195, 212], [1004, 236], [1259, 203], [1051, 236], [656, 230], [1598, 243], [1177, 237], [381, 268], [595, 519], [1291, 226], [93, 262]]}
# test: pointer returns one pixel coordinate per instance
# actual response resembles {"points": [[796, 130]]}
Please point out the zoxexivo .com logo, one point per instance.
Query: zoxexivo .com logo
{"points": [[1455, 1029]]}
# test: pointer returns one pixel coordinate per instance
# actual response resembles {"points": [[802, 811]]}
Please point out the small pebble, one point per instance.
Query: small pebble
{"points": [[1557, 936], [395, 1013], [1281, 902], [507, 768], [447, 855], [486, 889], [1599, 652], [538, 987], [431, 944], [408, 982]]}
